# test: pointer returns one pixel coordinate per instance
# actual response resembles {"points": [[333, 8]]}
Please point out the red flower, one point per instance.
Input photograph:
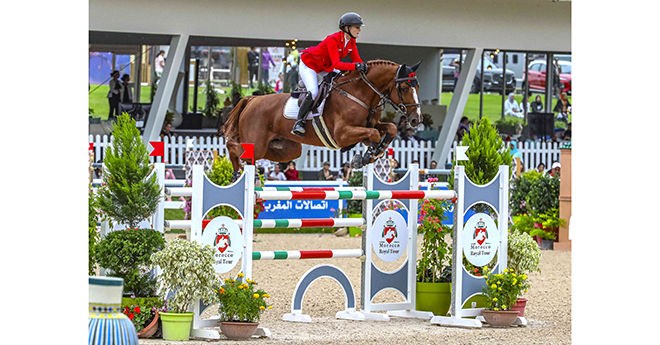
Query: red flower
{"points": [[130, 316], [137, 310], [476, 270], [478, 274]]}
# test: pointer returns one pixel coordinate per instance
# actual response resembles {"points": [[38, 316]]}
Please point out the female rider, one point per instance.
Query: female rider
{"points": [[324, 58]]}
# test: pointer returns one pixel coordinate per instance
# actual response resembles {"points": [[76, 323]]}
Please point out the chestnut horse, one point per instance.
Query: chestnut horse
{"points": [[351, 113]]}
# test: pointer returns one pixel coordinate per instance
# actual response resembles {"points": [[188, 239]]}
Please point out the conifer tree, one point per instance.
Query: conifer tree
{"points": [[486, 153], [129, 195]]}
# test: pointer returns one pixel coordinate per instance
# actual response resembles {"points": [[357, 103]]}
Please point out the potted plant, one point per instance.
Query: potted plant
{"points": [[211, 109], [546, 228], [523, 256], [241, 305], [144, 313], [503, 290], [433, 287], [188, 273]]}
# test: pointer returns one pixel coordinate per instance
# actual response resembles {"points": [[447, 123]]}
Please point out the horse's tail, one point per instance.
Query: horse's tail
{"points": [[231, 126]]}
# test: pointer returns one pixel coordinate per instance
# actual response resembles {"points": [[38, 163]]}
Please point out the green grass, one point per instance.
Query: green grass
{"points": [[99, 103], [492, 105]]}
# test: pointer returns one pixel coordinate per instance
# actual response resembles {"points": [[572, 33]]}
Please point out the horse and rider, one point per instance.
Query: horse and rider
{"points": [[356, 95]]}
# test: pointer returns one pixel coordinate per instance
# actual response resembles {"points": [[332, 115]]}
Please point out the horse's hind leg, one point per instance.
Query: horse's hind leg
{"points": [[235, 150]]}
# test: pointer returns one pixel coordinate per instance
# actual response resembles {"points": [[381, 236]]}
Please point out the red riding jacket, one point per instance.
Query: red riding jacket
{"points": [[326, 55]]}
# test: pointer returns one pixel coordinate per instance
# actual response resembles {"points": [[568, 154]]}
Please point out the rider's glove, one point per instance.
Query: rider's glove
{"points": [[361, 67]]}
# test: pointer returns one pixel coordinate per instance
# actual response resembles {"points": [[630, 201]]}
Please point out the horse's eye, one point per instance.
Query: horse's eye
{"points": [[405, 89]]}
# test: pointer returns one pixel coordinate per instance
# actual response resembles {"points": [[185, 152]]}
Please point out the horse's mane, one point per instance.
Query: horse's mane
{"points": [[381, 62]]}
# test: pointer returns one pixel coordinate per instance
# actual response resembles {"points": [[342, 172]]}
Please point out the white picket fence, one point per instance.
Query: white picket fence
{"points": [[405, 152]]}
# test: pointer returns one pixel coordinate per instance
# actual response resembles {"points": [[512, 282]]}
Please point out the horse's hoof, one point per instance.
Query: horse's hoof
{"points": [[356, 163]]}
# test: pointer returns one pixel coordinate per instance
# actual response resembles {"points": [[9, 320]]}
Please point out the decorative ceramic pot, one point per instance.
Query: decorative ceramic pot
{"points": [[433, 297], [150, 329], [238, 330], [107, 323], [520, 306], [500, 319]]}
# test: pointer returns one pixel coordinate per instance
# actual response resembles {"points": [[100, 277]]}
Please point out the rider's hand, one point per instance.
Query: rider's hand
{"points": [[361, 67]]}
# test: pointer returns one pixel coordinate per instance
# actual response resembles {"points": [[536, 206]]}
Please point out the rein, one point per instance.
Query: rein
{"points": [[400, 107]]}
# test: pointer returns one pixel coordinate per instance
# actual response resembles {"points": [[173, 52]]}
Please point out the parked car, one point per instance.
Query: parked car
{"points": [[537, 73], [492, 76]]}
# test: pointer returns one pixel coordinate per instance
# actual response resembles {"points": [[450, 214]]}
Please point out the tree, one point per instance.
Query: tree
{"points": [[128, 196]]}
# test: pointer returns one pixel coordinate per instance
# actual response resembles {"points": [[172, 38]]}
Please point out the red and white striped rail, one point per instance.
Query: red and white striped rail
{"points": [[355, 195]]}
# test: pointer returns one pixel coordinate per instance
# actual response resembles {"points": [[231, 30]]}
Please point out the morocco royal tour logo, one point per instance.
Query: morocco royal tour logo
{"points": [[389, 231], [480, 233], [222, 240]]}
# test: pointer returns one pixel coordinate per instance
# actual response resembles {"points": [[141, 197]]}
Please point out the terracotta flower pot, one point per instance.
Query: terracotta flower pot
{"points": [[500, 319], [149, 331], [520, 306], [238, 330]]}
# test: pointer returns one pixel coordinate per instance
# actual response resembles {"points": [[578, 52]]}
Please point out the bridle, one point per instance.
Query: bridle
{"points": [[400, 107]]}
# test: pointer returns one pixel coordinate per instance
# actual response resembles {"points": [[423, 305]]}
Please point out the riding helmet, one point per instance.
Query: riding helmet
{"points": [[350, 18]]}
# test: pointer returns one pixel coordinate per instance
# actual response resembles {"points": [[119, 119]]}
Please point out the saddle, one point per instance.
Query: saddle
{"points": [[324, 90]]}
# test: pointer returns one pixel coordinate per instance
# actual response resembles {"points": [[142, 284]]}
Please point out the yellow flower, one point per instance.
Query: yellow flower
{"points": [[496, 309], [499, 289], [514, 281], [520, 285], [222, 291], [526, 290], [505, 270], [503, 307], [494, 299], [499, 282], [240, 287], [266, 295], [494, 286], [270, 307], [262, 308], [524, 276], [216, 291], [513, 274], [227, 280], [241, 275], [256, 295]]}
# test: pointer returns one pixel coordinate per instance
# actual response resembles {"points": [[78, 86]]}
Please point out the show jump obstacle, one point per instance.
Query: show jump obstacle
{"points": [[389, 235]]}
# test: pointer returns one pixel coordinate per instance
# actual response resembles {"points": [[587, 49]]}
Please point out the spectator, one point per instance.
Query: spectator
{"points": [[457, 71], [511, 107], [224, 115], [126, 89], [563, 115], [166, 132], [558, 85], [114, 95], [553, 139], [463, 128], [409, 135], [235, 98], [325, 174], [426, 177], [266, 165], [276, 174], [515, 152], [395, 176], [291, 71], [291, 173], [253, 65], [346, 172], [567, 133], [264, 65], [522, 107], [279, 83], [562, 103], [537, 105], [540, 168], [556, 169], [159, 65]]}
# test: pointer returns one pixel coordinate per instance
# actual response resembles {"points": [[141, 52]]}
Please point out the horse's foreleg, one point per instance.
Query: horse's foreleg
{"points": [[387, 131], [353, 134], [235, 150]]}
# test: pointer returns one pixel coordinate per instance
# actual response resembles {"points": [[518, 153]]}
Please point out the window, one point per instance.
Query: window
{"points": [[542, 67], [534, 67], [515, 59], [495, 58]]}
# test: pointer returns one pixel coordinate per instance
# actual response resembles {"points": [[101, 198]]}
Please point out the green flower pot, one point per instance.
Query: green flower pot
{"points": [[433, 297], [354, 230], [176, 326]]}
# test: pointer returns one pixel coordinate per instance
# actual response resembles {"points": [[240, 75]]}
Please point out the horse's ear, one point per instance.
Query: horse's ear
{"points": [[402, 72], [414, 67]]}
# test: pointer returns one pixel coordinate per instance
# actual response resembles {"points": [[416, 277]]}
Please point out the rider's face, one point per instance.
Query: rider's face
{"points": [[355, 30]]}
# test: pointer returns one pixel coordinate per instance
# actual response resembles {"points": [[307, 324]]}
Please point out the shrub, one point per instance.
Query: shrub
{"points": [[523, 254], [520, 191], [188, 272], [128, 196], [127, 253], [543, 195], [92, 234], [355, 206], [504, 289], [221, 173]]}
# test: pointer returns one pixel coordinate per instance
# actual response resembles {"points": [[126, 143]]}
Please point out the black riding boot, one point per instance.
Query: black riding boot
{"points": [[305, 107]]}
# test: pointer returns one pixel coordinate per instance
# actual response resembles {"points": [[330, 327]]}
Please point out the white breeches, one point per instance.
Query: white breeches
{"points": [[310, 79]]}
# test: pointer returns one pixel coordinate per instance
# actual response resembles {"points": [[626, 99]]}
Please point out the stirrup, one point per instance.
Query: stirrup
{"points": [[299, 128]]}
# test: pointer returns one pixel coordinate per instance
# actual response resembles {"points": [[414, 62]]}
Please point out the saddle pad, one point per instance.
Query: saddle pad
{"points": [[291, 109]]}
